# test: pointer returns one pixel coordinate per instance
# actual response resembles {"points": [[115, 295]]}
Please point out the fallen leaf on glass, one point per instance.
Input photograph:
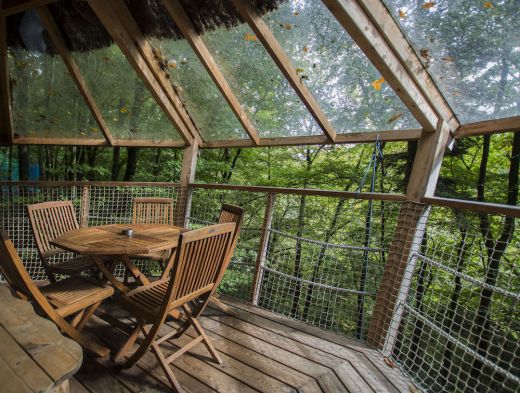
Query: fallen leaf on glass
{"points": [[395, 117], [299, 70], [296, 13], [377, 83], [425, 53], [429, 4], [287, 26], [402, 14], [172, 64], [448, 59], [123, 110], [250, 37], [305, 48], [390, 362], [488, 4], [94, 129]]}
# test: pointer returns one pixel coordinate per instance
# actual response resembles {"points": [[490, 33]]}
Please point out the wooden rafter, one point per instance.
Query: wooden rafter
{"points": [[275, 50], [388, 27], [61, 47], [29, 140], [10, 7], [188, 30], [6, 123], [358, 24], [147, 53], [510, 124], [128, 46]]}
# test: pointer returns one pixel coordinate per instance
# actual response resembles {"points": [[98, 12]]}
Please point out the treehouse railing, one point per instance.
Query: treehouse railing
{"points": [[319, 257]]}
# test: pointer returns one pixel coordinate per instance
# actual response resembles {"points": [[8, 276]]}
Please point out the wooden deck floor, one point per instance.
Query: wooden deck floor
{"points": [[261, 351]]}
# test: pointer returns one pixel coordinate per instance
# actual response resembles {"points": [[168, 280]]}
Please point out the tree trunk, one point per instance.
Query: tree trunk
{"points": [[131, 163], [116, 152], [23, 162], [157, 162]]}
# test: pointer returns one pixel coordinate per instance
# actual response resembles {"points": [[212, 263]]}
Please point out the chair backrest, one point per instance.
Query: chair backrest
{"points": [[232, 213], [50, 220], [152, 211], [13, 269], [200, 261]]}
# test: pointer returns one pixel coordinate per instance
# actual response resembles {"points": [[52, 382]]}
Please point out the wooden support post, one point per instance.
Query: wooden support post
{"points": [[263, 247], [407, 239], [117, 30], [6, 118], [189, 166], [189, 32], [358, 24], [61, 47], [275, 50], [85, 207]]}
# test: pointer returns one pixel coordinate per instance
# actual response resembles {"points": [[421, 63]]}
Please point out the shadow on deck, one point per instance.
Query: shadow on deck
{"points": [[262, 351]]}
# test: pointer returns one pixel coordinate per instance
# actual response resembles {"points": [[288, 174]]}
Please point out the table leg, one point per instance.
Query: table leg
{"points": [[136, 273], [108, 274]]}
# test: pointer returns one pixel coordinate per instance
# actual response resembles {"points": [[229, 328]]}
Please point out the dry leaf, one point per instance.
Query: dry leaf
{"points": [[413, 389], [172, 64], [305, 48], [390, 362], [402, 14], [377, 84], [429, 4], [395, 117], [425, 53], [250, 37], [287, 26], [488, 4], [296, 13], [448, 59], [299, 70], [94, 129], [123, 110]]}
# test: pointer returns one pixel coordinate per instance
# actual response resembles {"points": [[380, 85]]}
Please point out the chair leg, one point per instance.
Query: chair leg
{"points": [[86, 316], [222, 307], [128, 344], [166, 368], [77, 318], [205, 339]]}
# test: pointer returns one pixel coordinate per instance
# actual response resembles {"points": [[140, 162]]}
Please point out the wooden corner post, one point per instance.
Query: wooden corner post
{"points": [[189, 166], [407, 240]]}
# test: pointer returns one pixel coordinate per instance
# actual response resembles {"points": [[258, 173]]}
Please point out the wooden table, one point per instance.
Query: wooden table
{"points": [[108, 240], [34, 356]]}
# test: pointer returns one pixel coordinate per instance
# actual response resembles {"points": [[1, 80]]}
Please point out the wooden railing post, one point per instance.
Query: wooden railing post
{"points": [[189, 165], [262, 248], [85, 207]]}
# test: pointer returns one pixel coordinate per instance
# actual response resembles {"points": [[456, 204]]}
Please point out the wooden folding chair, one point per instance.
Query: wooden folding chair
{"points": [[50, 220], [74, 298], [153, 211], [199, 263], [229, 213]]}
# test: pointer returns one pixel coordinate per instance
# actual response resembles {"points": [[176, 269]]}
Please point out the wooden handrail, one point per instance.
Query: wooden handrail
{"points": [[63, 183], [481, 207]]}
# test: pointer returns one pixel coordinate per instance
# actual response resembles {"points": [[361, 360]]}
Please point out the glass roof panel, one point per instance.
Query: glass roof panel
{"points": [[342, 79], [471, 49], [271, 103], [45, 100], [128, 107], [204, 102]]}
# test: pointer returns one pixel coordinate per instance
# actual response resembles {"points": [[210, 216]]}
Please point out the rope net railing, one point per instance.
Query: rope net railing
{"points": [[94, 205], [456, 326]]}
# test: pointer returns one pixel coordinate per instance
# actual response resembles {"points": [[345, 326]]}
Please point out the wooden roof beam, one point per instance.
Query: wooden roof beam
{"points": [[389, 28], [117, 30], [358, 24], [146, 51], [275, 50], [6, 118], [61, 47], [10, 7], [189, 32], [509, 124]]}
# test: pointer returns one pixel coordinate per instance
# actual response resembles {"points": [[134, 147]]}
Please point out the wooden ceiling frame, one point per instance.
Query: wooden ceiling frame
{"points": [[486, 127], [367, 36], [279, 56], [59, 43], [147, 52], [188, 30], [30, 140], [130, 47], [6, 118], [16, 6]]}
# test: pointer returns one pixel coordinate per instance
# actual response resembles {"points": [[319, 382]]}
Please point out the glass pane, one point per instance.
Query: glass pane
{"points": [[204, 102], [471, 49], [46, 102], [272, 105], [342, 79]]}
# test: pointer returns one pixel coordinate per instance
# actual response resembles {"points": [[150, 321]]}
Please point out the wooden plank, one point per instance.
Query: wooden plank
{"points": [[6, 118], [360, 27], [486, 127], [31, 140], [354, 137], [126, 43], [388, 27], [481, 207], [72, 67], [349, 376], [181, 19], [147, 52], [275, 50], [427, 163], [330, 383], [11, 7]]}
